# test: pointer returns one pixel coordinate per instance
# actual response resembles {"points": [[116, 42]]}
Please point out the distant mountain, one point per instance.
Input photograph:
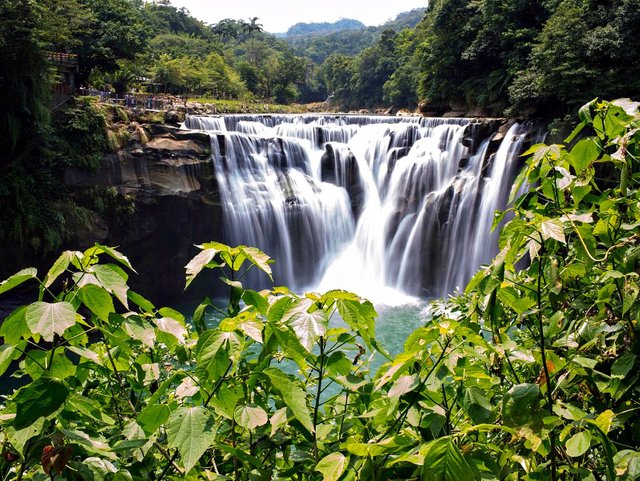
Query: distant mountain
{"points": [[321, 28], [318, 45]]}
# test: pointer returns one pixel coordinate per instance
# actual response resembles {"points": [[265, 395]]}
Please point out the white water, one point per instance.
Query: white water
{"points": [[387, 207]]}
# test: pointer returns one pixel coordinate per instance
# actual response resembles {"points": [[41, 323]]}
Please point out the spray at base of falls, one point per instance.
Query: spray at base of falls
{"points": [[387, 207]]}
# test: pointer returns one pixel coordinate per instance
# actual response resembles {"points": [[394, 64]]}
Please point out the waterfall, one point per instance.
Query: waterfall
{"points": [[387, 207]]}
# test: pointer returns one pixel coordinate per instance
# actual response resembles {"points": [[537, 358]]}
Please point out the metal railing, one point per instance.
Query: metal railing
{"points": [[61, 58]]}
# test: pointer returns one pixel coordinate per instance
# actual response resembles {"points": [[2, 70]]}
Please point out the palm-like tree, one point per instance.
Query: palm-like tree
{"points": [[250, 28]]}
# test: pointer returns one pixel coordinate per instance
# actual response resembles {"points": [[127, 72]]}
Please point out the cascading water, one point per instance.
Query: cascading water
{"points": [[382, 206]]}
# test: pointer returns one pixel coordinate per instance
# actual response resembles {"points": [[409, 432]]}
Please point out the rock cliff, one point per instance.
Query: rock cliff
{"points": [[167, 200]]}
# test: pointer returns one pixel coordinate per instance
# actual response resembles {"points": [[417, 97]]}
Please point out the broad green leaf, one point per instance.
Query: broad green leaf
{"points": [[195, 265], [18, 278], [518, 302], [278, 420], [402, 385], [76, 403], [444, 461], [584, 153], [520, 404], [37, 364], [191, 431], [173, 327], [477, 405], [6, 356], [111, 252], [553, 229], [19, 438], [293, 396], [251, 328], [215, 351], [41, 398], [140, 329], [258, 259], [308, 326], [332, 466], [118, 256], [251, 417], [187, 388], [15, 327], [241, 455], [152, 417], [627, 465], [94, 443], [579, 192], [111, 278], [86, 353], [168, 312], [225, 400], [575, 132], [253, 298], [517, 184], [140, 301], [48, 319], [129, 444], [339, 364], [58, 267], [585, 361], [584, 114], [122, 475], [97, 300], [623, 365], [605, 420], [578, 444], [278, 308], [360, 315]]}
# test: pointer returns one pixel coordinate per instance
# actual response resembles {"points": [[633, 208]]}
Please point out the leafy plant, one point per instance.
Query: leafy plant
{"points": [[531, 374]]}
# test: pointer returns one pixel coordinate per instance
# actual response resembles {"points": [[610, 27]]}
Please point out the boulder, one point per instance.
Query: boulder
{"points": [[174, 117]]}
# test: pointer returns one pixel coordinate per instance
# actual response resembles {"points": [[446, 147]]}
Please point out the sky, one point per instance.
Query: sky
{"points": [[278, 15]]}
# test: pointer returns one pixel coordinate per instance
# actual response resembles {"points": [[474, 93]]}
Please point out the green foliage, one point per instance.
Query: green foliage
{"points": [[580, 53], [359, 81], [82, 130], [324, 27], [347, 41], [531, 374], [526, 57]]}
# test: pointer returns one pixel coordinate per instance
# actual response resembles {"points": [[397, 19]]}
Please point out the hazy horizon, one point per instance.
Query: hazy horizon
{"points": [[277, 16]]}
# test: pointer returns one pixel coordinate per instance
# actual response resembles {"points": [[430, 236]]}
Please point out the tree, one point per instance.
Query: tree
{"points": [[581, 53], [227, 29], [117, 33], [31, 175], [251, 28]]}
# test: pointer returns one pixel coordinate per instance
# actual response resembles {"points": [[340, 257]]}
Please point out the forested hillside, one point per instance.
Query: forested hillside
{"points": [[320, 28], [349, 41], [519, 58]]}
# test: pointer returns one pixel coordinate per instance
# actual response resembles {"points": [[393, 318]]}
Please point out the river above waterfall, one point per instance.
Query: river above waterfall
{"points": [[395, 209]]}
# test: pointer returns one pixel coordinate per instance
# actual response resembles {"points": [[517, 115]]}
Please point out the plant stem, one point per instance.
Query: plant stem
{"points": [[552, 438], [317, 402]]}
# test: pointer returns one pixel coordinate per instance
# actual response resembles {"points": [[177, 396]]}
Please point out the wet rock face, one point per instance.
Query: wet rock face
{"points": [[343, 171], [171, 187]]}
